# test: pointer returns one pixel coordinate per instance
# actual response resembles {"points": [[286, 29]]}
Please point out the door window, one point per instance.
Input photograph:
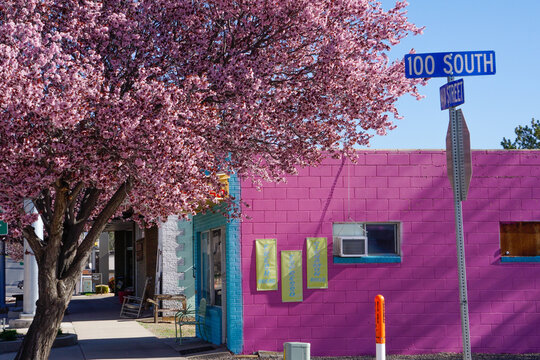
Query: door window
{"points": [[211, 266]]}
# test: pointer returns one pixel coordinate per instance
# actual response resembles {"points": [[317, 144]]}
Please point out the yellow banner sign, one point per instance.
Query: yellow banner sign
{"points": [[291, 276], [317, 263], [266, 256]]}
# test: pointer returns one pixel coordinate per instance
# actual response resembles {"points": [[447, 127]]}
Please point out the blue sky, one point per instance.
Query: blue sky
{"points": [[494, 104]]}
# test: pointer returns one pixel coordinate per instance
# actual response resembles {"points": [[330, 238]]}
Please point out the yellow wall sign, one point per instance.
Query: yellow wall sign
{"points": [[266, 257], [317, 263], [291, 276]]}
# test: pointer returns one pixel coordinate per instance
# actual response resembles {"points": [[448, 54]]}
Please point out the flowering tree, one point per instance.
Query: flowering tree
{"points": [[113, 105]]}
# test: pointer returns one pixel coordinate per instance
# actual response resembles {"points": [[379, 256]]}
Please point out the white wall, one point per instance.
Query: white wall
{"points": [[175, 241]]}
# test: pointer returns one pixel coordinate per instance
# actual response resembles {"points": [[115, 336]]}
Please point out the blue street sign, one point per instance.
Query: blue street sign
{"points": [[463, 63], [452, 94]]}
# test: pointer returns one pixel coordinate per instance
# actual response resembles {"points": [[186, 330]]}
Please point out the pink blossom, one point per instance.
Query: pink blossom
{"points": [[167, 93]]}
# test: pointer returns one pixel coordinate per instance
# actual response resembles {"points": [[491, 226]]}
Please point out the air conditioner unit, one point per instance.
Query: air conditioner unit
{"points": [[353, 246], [296, 351]]}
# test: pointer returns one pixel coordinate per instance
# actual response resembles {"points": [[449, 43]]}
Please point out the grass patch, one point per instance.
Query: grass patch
{"points": [[165, 327]]}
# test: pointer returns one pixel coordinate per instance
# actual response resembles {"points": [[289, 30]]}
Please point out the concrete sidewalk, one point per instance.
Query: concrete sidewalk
{"points": [[103, 335]]}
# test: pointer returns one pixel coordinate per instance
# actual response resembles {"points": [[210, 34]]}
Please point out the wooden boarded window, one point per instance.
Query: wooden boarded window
{"points": [[520, 239]]}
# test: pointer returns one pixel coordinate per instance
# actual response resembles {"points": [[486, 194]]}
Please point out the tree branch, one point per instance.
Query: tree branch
{"points": [[43, 205], [56, 229], [99, 224], [34, 242], [88, 203], [72, 201], [70, 240], [57, 220]]}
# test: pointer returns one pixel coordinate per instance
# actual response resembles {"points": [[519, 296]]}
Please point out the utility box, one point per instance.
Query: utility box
{"points": [[296, 351], [86, 284]]}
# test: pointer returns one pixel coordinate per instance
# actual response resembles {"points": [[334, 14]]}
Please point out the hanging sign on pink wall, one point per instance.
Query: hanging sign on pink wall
{"points": [[317, 263], [266, 257], [291, 276]]}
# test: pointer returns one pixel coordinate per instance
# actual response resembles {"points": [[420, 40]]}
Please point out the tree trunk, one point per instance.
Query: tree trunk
{"points": [[50, 309], [61, 260]]}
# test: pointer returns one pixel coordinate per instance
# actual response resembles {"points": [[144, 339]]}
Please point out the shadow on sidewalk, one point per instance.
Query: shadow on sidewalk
{"points": [[96, 307], [101, 331], [127, 348]]}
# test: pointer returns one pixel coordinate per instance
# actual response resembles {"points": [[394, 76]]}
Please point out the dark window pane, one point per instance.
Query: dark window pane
{"points": [[381, 238]]}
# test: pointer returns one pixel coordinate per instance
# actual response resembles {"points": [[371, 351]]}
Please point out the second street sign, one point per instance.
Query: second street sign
{"points": [[452, 94], [3, 228], [463, 63]]}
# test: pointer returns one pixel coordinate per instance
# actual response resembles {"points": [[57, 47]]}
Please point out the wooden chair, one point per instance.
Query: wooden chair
{"points": [[132, 305], [185, 318]]}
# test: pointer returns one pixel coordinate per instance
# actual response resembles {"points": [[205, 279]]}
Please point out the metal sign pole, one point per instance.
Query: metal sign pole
{"points": [[459, 191], [431, 65]]}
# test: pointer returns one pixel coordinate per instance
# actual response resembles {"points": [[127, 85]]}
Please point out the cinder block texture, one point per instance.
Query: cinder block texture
{"points": [[421, 292], [233, 275], [176, 255]]}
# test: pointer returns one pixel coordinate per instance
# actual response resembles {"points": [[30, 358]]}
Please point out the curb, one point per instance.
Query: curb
{"points": [[61, 341]]}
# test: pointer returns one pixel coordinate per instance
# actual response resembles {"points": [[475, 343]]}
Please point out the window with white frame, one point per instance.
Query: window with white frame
{"points": [[379, 239]]}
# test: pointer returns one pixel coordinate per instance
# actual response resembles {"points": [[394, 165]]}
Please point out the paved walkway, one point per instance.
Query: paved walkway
{"points": [[103, 335]]}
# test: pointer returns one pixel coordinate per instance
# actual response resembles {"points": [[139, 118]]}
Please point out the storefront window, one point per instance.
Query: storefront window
{"points": [[211, 266], [216, 257]]}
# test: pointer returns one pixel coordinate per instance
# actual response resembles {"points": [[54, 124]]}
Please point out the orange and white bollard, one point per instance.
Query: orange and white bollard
{"points": [[380, 331]]}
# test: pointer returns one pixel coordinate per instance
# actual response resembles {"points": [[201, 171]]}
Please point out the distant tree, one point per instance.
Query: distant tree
{"points": [[526, 137], [134, 106]]}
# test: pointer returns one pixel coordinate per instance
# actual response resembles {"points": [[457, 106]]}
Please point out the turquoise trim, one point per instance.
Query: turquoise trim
{"points": [[202, 223], [520, 259], [234, 312], [213, 323], [374, 259], [235, 316]]}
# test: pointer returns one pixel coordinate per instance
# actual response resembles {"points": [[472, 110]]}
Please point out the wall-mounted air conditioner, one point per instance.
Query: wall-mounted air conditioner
{"points": [[352, 246]]}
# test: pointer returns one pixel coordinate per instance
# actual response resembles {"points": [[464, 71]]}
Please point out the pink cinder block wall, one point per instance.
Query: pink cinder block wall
{"points": [[421, 293]]}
